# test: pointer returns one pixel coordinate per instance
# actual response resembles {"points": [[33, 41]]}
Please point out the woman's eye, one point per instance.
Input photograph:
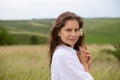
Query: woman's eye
{"points": [[68, 30], [77, 30]]}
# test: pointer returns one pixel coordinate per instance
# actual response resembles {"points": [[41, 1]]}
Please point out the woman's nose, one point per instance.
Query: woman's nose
{"points": [[73, 33]]}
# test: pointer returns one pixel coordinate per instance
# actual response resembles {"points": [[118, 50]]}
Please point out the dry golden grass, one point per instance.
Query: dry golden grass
{"points": [[24, 62], [31, 62]]}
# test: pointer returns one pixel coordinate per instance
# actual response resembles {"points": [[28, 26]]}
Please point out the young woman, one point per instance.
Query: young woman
{"points": [[69, 57]]}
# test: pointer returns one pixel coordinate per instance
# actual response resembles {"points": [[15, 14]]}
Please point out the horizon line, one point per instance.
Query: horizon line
{"points": [[55, 18]]}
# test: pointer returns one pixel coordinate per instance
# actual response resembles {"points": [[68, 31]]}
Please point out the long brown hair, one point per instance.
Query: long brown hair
{"points": [[59, 23]]}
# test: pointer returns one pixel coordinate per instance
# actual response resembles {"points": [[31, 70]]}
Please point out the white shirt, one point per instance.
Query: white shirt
{"points": [[66, 66]]}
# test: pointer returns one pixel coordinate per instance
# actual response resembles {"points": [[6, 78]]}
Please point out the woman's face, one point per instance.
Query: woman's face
{"points": [[70, 33]]}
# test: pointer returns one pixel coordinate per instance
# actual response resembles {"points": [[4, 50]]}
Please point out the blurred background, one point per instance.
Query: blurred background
{"points": [[24, 36]]}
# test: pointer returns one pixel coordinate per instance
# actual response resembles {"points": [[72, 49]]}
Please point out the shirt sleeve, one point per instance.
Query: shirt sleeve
{"points": [[65, 67]]}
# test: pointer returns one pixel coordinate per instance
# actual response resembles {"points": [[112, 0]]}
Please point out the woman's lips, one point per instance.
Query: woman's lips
{"points": [[72, 40]]}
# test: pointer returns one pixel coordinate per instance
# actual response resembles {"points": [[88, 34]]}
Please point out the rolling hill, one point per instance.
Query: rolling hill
{"points": [[98, 30]]}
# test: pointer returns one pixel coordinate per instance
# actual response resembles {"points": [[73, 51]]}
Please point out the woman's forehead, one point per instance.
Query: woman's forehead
{"points": [[71, 24]]}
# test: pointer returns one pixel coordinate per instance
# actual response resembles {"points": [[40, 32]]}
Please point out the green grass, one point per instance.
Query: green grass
{"points": [[32, 63], [102, 31], [26, 39], [33, 26], [98, 30]]}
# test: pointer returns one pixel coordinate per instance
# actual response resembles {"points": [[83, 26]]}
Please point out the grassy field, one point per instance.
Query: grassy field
{"points": [[24, 63], [98, 30], [31, 63], [102, 30], [23, 30]]}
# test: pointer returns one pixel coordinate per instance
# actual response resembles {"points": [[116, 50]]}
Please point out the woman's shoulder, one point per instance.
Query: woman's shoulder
{"points": [[65, 54], [63, 50]]}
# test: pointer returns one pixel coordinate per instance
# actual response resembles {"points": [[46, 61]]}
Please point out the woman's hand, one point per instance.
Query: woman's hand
{"points": [[84, 57]]}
